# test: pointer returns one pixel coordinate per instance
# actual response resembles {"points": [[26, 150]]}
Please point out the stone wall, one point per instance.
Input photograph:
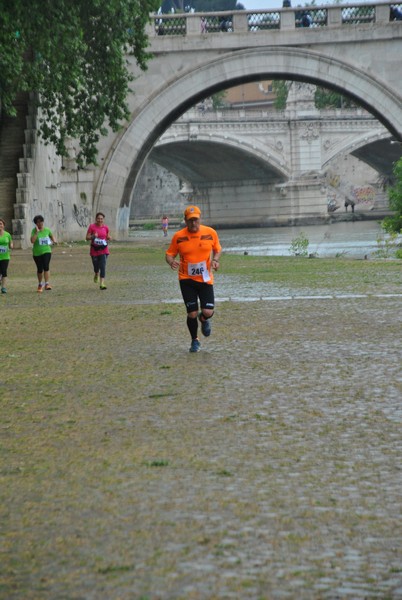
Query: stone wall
{"points": [[11, 143], [54, 188], [347, 176], [156, 193]]}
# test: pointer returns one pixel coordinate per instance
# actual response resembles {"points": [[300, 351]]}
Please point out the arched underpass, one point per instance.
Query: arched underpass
{"points": [[207, 162]]}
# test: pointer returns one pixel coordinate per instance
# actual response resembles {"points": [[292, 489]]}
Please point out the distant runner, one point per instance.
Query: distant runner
{"points": [[165, 225], [42, 239], [99, 236], [6, 244], [199, 250]]}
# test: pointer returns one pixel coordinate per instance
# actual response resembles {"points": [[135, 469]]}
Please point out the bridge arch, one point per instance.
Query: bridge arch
{"points": [[119, 173], [272, 163], [362, 141]]}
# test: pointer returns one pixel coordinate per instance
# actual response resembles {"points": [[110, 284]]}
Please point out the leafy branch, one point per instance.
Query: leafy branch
{"points": [[73, 55]]}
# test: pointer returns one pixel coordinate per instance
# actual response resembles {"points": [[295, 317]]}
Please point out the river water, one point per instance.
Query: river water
{"points": [[354, 239], [351, 238]]}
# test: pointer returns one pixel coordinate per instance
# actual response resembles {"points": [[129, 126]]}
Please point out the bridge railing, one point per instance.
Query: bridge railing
{"points": [[253, 114], [263, 20]]}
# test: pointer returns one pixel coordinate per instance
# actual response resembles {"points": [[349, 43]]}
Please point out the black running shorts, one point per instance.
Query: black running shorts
{"points": [[193, 290]]}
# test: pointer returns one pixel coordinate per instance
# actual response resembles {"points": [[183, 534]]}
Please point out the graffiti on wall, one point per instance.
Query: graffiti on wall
{"points": [[331, 201], [364, 194], [62, 219], [334, 180], [82, 215]]}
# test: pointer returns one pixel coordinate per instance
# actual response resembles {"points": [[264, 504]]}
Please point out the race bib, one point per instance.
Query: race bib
{"points": [[45, 241], [99, 242], [3, 249], [200, 268]]}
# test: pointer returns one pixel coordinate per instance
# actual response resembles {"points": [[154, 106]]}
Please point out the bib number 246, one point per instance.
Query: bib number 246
{"points": [[199, 269]]}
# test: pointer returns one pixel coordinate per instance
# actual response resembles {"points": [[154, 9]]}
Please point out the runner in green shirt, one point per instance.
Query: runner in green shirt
{"points": [[6, 244], [42, 239]]}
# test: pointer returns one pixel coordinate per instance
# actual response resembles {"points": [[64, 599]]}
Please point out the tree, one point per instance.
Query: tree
{"points": [[218, 100], [281, 89], [71, 53], [394, 223], [325, 98]]}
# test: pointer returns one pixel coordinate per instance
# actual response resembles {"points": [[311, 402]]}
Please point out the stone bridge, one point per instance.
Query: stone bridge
{"points": [[353, 49], [250, 167]]}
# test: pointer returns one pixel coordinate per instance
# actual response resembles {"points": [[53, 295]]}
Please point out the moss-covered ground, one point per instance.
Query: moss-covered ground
{"points": [[267, 466]]}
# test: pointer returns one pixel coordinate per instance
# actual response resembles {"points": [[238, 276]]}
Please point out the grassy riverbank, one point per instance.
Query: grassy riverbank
{"points": [[143, 263], [265, 466]]}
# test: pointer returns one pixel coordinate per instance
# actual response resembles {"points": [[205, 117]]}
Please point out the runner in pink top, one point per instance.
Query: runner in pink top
{"points": [[98, 235], [165, 225]]}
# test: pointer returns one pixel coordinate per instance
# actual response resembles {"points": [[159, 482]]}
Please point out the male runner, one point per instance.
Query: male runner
{"points": [[199, 250]]}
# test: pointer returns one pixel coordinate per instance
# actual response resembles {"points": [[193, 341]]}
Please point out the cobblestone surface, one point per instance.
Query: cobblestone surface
{"points": [[267, 466]]}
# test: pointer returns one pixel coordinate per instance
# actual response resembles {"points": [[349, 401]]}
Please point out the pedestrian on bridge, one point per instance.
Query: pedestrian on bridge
{"points": [[42, 239], [223, 24], [395, 13], [6, 244], [306, 20], [199, 250], [99, 236]]}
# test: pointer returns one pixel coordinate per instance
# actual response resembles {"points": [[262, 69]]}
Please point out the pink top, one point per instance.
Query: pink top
{"points": [[99, 244]]}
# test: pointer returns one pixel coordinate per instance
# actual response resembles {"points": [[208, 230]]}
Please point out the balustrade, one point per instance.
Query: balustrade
{"points": [[262, 20]]}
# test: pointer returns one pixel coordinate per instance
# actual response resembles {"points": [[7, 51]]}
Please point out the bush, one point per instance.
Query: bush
{"points": [[299, 245], [394, 223], [386, 246]]}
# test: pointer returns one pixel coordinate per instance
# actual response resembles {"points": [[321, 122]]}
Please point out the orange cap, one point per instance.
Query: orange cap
{"points": [[192, 212]]}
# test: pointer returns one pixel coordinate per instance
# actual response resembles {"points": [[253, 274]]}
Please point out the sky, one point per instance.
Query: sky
{"points": [[256, 4]]}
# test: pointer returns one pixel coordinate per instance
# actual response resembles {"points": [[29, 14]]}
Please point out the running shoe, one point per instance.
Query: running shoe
{"points": [[3, 290], [102, 287], [205, 326], [195, 345], [48, 286], [96, 278], [40, 289]]}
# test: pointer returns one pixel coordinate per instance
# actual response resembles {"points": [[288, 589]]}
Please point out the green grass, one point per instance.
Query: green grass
{"points": [[364, 276]]}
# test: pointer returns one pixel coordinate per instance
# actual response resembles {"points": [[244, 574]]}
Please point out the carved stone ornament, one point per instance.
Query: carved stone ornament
{"points": [[310, 132], [301, 96]]}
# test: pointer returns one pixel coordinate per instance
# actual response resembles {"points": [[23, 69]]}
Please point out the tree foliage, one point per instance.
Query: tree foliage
{"points": [[323, 98], [281, 89], [394, 223], [218, 100], [72, 54]]}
